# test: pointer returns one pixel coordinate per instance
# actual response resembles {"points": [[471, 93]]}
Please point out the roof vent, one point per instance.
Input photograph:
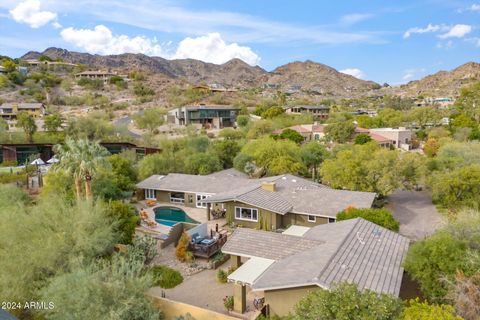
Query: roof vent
{"points": [[268, 186], [293, 180], [284, 178]]}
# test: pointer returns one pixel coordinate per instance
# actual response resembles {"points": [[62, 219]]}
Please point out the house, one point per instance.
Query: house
{"points": [[2, 69], [401, 137], [9, 110], [287, 266], [95, 75], [319, 112], [308, 131], [269, 203], [293, 89], [22, 152], [208, 116]]}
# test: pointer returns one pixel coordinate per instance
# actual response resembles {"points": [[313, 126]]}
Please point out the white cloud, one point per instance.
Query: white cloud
{"points": [[409, 74], [357, 73], [100, 40], [212, 48], [429, 28], [474, 7], [29, 12], [209, 48], [457, 31], [353, 18], [174, 17]]}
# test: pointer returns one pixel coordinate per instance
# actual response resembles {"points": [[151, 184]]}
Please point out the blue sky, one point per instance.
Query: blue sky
{"points": [[384, 41]]}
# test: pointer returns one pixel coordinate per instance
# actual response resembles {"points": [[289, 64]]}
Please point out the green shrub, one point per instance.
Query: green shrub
{"points": [[228, 303], [424, 311], [9, 163], [382, 217], [222, 276], [166, 277]]}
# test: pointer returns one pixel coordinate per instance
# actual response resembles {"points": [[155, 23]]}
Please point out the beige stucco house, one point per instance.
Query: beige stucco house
{"points": [[269, 203], [287, 266]]}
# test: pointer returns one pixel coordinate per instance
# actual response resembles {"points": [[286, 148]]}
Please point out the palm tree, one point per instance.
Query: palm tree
{"points": [[81, 158]]}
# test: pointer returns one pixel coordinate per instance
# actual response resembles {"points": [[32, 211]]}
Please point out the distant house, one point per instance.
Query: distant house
{"points": [[9, 110], [308, 131], [214, 87], [273, 86], [287, 266], [319, 112], [22, 152], [293, 89], [95, 75], [2, 69], [400, 138], [269, 203], [208, 116]]}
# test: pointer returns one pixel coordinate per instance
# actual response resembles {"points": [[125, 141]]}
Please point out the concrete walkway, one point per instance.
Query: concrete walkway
{"points": [[416, 213], [203, 290]]}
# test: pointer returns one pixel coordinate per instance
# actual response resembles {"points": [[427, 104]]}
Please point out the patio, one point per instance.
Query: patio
{"points": [[192, 291]]}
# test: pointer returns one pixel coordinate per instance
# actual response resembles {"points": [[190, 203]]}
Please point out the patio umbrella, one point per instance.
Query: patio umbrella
{"points": [[37, 162], [53, 160]]}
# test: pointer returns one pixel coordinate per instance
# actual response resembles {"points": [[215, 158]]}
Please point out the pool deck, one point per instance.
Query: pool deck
{"points": [[198, 214]]}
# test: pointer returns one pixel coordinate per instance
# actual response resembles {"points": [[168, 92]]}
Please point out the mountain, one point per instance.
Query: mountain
{"points": [[232, 73], [442, 83], [308, 76], [320, 79]]}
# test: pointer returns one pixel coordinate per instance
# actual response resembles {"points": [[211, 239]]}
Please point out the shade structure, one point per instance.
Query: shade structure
{"points": [[248, 272], [53, 160], [38, 162]]}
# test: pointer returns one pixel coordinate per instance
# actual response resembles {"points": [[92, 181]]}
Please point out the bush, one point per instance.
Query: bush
{"points": [[228, 303], [125, 219], [424, 311], [382, 217], [166, 277], [182, 247], [9, 163], [345, 301], [222, 276]]}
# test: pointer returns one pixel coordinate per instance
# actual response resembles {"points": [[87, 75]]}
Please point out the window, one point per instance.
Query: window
{"points": [[150, 194], [331, 220], [200, 197], [248, 214], [312, 218], [177, 197]]}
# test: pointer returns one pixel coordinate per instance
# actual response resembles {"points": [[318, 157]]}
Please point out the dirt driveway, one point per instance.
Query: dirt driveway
{"points": [[416, 213]]}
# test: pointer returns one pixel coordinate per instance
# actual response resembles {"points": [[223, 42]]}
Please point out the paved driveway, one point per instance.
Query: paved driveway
{"points": [[417, 215]]}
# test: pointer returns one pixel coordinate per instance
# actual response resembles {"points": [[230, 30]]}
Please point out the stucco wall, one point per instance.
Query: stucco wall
{"points": [[301, 220], [283, 301], [162, 196], [269, 220], [173, 309]]}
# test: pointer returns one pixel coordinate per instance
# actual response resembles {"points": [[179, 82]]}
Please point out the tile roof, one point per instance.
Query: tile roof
{"points": [[356, 251], [265, 244], [292, 194], [297, 195]]}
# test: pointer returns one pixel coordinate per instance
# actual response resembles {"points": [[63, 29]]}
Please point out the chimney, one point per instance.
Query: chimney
{"points": [[269, 186]]}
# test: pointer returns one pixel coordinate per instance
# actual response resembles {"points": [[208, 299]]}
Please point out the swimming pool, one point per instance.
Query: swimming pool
{"points": [[169, 216]]}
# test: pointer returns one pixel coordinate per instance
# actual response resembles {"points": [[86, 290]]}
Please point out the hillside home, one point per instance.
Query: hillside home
{"points": [[287, 266], [9, 110], [319, 112], [95, 75], [310, 132], [269, 203], [208, 116]]}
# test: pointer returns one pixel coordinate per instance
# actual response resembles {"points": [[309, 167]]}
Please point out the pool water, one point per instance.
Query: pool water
{"points": [[169, 216]]}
